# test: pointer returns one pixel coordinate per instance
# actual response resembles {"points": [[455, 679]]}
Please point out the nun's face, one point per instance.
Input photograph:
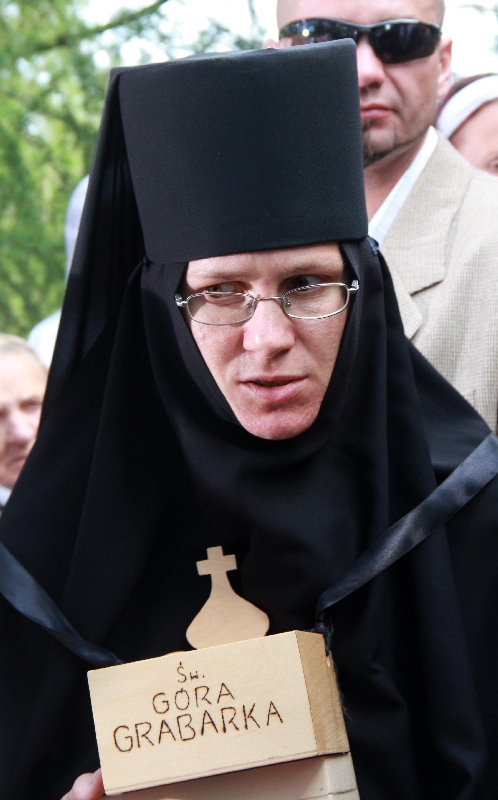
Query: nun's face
{"points": [[273, 370]]}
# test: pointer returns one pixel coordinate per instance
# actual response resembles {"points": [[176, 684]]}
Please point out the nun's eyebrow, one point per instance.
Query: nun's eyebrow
{"points": [[317, 265], [233, 273], [215, 276]]}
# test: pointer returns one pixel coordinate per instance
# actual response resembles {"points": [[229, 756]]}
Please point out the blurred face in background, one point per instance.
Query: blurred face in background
{"points": [[22, 386], [398, 101], [477, 138]]}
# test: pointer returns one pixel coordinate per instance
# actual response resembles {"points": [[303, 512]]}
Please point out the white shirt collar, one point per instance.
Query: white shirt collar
{"points": [[383, 219], [4, 495]]}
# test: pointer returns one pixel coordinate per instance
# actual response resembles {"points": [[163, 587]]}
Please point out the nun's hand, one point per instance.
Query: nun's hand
{"points": [[87, 787]]}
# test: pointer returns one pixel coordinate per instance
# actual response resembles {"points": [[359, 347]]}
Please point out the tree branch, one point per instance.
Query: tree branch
{"points": [[120, 20], [125, 18], [480, 8]]}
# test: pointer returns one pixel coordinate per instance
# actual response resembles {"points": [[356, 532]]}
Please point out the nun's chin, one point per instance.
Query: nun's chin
{"points": [[270, 421]]}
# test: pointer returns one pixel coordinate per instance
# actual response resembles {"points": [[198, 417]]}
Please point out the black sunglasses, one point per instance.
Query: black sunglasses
{"points": [[393, 42]]}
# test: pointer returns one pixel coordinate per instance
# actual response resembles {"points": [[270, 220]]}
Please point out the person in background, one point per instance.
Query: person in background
{"points": [[468, 117], [42, 337], [22, 385], [432, 214]]}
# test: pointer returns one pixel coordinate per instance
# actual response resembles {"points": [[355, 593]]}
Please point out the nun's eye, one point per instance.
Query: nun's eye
{"points": [[223, 287], [303, 281]]}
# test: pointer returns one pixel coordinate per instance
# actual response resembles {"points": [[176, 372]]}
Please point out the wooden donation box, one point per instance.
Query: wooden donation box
{"points": [[244, 717]]}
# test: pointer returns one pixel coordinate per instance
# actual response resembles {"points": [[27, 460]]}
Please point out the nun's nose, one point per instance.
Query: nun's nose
{"points": [[270, 330]]}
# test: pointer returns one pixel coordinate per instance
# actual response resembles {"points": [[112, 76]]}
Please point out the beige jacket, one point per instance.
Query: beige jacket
{"points": [[442, 251]]}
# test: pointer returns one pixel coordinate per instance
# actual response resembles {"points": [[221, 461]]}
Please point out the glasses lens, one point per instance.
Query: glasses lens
{"points": [[311, 31], [397, 42], [313, 302], [220, 308], [392, 42]]}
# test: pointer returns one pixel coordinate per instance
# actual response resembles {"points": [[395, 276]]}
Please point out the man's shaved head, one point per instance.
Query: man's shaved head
{"points": [[440, 10], [291, 10], [398, 100]]}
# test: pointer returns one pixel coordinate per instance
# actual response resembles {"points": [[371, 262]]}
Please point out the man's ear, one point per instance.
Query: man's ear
{"points": [[445, 75]]}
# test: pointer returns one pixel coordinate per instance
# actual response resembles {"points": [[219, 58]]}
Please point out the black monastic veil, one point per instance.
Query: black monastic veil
{"points": [[140, 466]]}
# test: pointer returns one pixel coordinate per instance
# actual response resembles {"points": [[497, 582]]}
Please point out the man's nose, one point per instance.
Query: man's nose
{"points": [[269, 331], [21, 428], [371, 72]]}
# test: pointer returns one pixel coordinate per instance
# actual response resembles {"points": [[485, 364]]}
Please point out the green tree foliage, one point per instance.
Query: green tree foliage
{"points": [[50, 106], [54, 71]]}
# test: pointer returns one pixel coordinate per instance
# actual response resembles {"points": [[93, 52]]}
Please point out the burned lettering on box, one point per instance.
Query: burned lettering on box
{"points": [[207, 720], [181, 671], [272, 712], [165, 730], [123, 738], [182, 700], [162, 704], [224, 692], [231, 720], [183, 727], [248, 716], [204, 698], [143, 735]]}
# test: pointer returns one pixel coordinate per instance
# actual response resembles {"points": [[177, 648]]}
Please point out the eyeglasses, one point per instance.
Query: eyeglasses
{"points": [[317, 301], [393, 42]]}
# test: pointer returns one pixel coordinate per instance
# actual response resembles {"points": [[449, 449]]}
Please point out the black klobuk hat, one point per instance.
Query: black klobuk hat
{"points": [[245, 151]]}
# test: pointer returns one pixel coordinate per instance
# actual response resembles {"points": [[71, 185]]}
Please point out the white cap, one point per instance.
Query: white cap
{"points": [[73, 218], [465, 102], [42, 337]]}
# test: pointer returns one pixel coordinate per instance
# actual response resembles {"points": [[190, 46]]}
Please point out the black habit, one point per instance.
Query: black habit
{"points": [[140, 464]]}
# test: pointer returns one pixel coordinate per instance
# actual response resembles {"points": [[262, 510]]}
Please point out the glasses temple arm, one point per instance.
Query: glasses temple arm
{"points": [[180, 302]]}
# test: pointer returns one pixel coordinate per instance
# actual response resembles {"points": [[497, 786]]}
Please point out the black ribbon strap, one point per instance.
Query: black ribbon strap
{"points": [[26, 595], [472, 475]]}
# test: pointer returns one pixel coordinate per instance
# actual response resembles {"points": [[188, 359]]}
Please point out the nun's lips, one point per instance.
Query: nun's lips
{"points": [[275, 389]]}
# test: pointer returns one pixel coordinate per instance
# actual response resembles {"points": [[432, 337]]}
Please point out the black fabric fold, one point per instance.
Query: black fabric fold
{"points": [[472, 475], [26, 595]]}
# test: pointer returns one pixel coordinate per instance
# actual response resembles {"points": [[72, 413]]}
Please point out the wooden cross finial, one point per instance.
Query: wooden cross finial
{"points": [[225, 617], [217, 563]]}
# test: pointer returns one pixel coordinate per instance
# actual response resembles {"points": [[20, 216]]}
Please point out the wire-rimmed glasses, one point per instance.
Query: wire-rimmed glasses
{"points": [[315, 301]]}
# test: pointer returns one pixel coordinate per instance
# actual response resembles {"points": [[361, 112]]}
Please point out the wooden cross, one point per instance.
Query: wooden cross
{"points": [[225, 617], [217, 565]]}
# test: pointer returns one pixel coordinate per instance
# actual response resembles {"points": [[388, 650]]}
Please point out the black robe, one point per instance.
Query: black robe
{"points": [[140, 465]]}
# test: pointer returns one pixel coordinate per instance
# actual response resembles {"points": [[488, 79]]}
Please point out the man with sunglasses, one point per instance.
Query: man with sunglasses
{"points": [[433, 215]]}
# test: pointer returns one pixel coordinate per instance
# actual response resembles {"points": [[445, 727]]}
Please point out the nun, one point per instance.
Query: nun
{"points": [[231, 370]]}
